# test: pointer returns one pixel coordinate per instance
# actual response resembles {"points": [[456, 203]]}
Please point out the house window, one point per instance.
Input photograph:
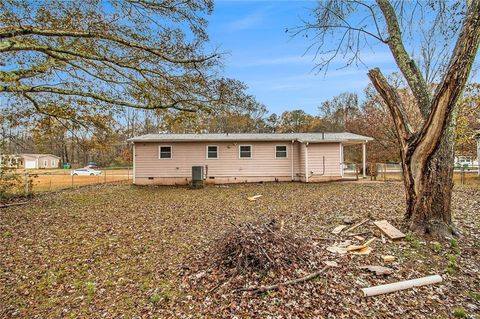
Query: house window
{"points": [[212, 151], [53, 163], [165, 152], [281, 151], [245, 151], [45, 163]]}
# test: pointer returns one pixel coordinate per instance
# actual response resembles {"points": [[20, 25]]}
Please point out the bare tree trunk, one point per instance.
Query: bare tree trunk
{"points": [[429, 199]]}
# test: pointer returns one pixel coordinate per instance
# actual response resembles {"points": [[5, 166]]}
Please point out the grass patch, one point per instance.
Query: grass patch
{"points": [[414, 242], [452, 266], [459, 313]]}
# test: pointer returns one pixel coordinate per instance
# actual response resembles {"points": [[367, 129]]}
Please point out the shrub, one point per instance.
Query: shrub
{"points": [[10, 182]]}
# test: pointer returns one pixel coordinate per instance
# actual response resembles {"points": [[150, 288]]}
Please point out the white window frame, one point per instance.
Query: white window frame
{"points": [[240, 153], [45, 163], [160, 152], [286, 151], [212, 158]]}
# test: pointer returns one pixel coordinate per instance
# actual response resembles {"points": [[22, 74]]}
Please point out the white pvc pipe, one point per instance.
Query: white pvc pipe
{"points": [[401, 285]]}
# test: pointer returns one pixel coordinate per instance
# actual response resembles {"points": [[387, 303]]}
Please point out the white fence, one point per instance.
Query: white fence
{"points": [[394, 172], [57, 179]]}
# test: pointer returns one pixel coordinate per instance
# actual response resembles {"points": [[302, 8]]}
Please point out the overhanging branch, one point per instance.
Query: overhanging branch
{"points": [[44, 89], [11, 32]]}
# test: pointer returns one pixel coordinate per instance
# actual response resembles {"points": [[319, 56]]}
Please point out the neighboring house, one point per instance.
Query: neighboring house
{"points": [[167, 159], [32, 161]]}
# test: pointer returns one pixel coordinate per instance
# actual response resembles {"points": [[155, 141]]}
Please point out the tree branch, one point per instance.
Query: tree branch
{"points": [[395, 105], [453, 83], [43, 89], [10, 32], [407, 65]]}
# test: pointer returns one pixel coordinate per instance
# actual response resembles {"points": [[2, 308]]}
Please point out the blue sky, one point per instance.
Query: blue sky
{"points": [[273, 65]]}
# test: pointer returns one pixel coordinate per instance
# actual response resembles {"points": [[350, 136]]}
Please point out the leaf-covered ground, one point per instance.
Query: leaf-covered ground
{"points": [[126, 251]]}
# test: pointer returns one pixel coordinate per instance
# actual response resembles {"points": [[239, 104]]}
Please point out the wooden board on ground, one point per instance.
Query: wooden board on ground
{"points": [[389, 230], [339, 229], [254, 198], [356, 225]]}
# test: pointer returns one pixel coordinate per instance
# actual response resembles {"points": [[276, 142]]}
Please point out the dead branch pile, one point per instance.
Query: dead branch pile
{"points": [[259, 246]]}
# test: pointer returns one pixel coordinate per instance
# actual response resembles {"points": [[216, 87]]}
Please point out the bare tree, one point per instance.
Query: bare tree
{"points": [[426, 152]]}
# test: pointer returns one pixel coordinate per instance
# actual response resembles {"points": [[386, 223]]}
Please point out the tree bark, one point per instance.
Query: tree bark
{"points": [[428, 200], [427, 154]]}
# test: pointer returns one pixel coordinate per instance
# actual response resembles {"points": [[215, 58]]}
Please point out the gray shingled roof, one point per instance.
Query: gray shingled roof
{"points": [[245, 137]]}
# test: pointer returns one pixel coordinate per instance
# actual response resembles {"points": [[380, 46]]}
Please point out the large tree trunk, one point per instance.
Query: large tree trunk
{"points": [[429, 199]]}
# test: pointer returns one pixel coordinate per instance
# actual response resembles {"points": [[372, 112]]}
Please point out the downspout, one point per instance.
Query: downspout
{"points": [[306, 162], [291, 154], [134, 159], [341, 160]]}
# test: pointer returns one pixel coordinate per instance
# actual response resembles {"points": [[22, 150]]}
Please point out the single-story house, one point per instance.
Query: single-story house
{"points": [[32, 161], [167, 159]]}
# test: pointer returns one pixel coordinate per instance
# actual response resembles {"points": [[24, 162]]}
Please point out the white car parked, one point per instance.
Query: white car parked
{"points": [[86, 172]]}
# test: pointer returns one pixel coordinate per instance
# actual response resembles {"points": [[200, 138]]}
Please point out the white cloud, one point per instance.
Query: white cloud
{"points": [[285, 60], [247, 22]]}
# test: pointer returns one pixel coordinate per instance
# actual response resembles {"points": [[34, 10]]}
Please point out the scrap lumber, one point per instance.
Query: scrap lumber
{"points": [[361, 247], [357, 225], [254, 198], [401, 285], [387, 258], [378, 270], [389, 230], [337, 250], [286, 283], [368, 242], [355, 247], [364, 251], [338, 229]]}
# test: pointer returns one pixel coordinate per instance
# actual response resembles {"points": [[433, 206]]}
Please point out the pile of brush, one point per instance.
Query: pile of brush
{"points": [[259, 247]]}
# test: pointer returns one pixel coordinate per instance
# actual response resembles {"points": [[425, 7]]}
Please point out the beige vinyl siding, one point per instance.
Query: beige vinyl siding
{"points": [[228, 164], [331, 151], [188, 154], [42, 161]]}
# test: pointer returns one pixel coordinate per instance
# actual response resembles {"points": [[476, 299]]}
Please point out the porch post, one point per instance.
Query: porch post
{"points": [[364, 159]]}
